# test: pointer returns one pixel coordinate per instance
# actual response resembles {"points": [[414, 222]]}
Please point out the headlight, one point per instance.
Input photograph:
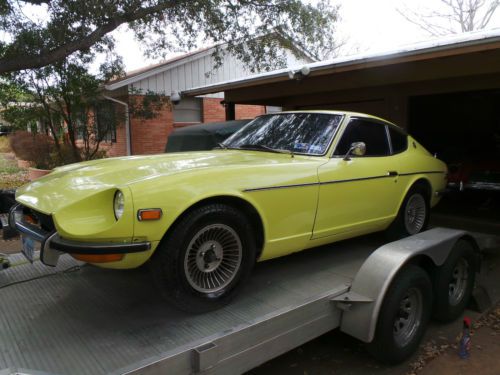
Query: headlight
{"points": [[118, 204]]}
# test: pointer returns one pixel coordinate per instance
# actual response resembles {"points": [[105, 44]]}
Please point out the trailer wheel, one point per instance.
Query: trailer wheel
{"points": [[454, 281], [413, 215], [202, 262], [403, 316]]}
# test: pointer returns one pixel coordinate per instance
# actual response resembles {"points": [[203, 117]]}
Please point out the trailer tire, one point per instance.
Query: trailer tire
{"points": [[454, 281], [413, 215], [201, 263], [404, 314]]}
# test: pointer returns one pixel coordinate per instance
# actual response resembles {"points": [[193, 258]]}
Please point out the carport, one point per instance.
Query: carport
{"points": [[444, 92]]}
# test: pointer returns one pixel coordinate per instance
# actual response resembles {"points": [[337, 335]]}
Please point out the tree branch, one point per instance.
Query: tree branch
{"points": [[15, 63]]}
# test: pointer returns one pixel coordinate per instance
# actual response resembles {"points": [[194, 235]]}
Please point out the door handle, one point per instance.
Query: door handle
{"points": [[392, 173]]}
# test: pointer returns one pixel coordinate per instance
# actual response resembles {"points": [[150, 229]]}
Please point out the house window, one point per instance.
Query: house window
{"points": [[105, 122], [188, 110]]}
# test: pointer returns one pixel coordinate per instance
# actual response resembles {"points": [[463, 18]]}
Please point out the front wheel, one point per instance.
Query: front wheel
{"points": [[203, 261], [403, 316]]}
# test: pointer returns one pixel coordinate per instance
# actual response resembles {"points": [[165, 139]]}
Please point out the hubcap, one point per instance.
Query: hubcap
{"points": [[213, 258], [458, 282], [408, 317], [415, 214]]}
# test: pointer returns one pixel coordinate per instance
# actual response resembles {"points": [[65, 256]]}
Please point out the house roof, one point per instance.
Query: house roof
{"points": [[138, 74], [148, 71], [456, 44]]}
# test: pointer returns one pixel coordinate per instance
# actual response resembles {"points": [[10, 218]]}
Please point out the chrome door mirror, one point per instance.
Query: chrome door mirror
{"points": [[356, 149]]}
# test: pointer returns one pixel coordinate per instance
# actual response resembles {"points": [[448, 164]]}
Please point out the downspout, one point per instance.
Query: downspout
{"points": [[127, 122]]}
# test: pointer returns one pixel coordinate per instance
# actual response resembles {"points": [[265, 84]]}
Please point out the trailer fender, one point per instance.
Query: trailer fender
{"points": [[362, 303]]}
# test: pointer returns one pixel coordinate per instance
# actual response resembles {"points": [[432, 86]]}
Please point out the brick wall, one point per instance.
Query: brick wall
{"points": [[118, 148], [244, 111], [213, 111], [150, 136]]}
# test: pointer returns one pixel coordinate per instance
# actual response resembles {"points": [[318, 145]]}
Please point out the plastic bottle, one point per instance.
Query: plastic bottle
{"points": [[465, 341]]}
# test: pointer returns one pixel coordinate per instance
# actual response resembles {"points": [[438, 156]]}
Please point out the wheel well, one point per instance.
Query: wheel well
{"points": [[239, 204], [424, 262], [426, 185]]}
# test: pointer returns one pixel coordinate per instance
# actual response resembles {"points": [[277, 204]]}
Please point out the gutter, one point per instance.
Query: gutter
{"points": [[127, 123]]}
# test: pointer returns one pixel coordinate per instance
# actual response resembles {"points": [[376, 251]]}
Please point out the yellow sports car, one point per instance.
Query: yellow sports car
{"points": [[283, 183]]}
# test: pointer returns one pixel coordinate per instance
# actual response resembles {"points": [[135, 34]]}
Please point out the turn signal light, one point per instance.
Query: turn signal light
{"points": [[149, 214], [98, 258]]}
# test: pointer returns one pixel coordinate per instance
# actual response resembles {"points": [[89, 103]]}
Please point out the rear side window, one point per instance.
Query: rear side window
{"points": [[371, 133], [399, 140]]}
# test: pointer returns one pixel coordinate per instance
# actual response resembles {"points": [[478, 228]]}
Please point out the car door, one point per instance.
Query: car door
{"points": [[358, 193]]}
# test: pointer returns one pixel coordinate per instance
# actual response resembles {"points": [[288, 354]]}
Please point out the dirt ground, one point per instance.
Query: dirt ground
{"points": [[484, 355]]}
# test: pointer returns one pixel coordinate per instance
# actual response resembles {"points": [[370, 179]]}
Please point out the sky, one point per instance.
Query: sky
{"points": [[367, 26]]}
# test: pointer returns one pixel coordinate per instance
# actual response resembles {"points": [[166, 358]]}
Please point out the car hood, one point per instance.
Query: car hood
{"points": [[73, 182]]}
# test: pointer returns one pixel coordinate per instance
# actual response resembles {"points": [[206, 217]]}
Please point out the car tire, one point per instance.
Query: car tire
{"points": [[404, 314], [413, 216], [202, 262], [454, 282]]}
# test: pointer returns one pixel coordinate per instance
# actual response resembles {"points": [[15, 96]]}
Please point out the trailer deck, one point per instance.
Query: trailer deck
{"points": [[78, 319], [94, 321]]}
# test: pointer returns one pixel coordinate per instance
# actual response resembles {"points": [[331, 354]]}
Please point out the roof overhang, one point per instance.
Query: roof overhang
{"points": [[456, 45]]}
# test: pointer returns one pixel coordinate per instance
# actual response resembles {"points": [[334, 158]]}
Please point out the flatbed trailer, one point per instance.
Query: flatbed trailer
{"points": [[78, 319]]}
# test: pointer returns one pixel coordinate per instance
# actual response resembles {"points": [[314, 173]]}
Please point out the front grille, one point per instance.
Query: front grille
{"points": [[39, 219]]}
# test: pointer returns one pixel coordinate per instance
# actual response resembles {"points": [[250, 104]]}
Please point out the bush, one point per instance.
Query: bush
{"points": [[37, 148]]}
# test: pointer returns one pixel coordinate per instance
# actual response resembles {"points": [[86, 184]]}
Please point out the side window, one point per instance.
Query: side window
{"points": [[399, 140], [371, 133]]}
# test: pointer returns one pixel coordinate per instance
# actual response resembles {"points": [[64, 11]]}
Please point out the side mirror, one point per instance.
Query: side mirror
{"points": [[356, 149]]}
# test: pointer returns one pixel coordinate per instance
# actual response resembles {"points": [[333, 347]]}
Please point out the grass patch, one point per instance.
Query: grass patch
{"points": [[11, 177], [4, 144]]}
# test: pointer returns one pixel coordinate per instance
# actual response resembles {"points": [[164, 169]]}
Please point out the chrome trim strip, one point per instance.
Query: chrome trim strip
{"points": [[355, 179], [280, 187], [318, 183], [424, 172]]}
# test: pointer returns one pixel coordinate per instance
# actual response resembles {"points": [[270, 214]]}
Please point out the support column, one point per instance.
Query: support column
{"points": [[230, 111]]}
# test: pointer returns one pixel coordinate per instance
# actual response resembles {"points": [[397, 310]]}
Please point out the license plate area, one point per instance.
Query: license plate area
{"points": [[29, 247]]}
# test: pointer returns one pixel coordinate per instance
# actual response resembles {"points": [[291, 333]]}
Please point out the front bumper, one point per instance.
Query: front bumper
{"points": [[52, 245]]}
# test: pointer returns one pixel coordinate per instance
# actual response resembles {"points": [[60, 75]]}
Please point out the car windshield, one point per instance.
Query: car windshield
{"points": [[301, 133]]}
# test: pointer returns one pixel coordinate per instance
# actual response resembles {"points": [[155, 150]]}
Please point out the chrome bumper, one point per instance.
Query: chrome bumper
{"points": [[52, 245]]}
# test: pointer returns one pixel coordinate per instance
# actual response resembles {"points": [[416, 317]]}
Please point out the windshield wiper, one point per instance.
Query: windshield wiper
{"points": [[221, 145], [265, 148]]}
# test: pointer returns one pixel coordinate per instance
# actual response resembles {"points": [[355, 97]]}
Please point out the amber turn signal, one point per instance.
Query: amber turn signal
{"points": [[98, 258], [149, 214]]}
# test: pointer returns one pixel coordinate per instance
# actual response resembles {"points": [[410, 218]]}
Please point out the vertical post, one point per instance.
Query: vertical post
{"points": [[127, 123], [230, 111]]}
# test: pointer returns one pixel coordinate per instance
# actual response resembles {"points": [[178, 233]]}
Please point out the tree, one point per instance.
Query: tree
{"points": [[37, 33], [453, 16], [66, 99]]}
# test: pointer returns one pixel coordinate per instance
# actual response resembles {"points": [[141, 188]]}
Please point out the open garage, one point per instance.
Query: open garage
{"points": [[446, 93]]}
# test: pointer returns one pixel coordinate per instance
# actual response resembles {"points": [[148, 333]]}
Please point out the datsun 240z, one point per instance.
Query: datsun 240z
{"points": [[283, 183]]}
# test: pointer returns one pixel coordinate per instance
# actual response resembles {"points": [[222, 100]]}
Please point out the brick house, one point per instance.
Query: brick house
{"points": [[139, 136]]}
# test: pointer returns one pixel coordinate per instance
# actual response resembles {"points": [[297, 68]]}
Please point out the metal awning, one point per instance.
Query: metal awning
{"points": [[443, 47]]}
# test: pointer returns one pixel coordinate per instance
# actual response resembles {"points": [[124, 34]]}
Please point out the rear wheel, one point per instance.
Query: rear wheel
{"points": [[403, 316], [413, 215], [202, 262], [454, 281]]}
